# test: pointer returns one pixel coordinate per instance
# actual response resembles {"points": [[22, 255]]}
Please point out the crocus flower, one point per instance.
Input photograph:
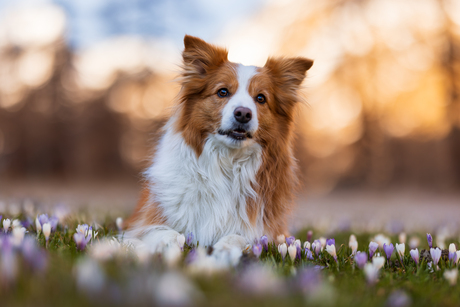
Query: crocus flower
{"points": [[6, 225], [290, 240], [330, 242], [307, 245], [87, 231], [16, 224], [452, 253], [257, 250], [292, 250], [298, 246], [372, 248], [18, 235], [80, 240], [46, 230], [180, 241], [378, 262], [38, 226], [360, 259], [354, 247], [388, 249], [414, 242], [189, 239], [264, 242], [119, 223], [309, 235], [415, 255], [282, 248], [371, 272], [316, 246], [451, 276], [323, 242], [458, 256], [280, 239], [330, 248], [402, 237], [435, 255], [308, 254], [429, 238], [400, 249]]}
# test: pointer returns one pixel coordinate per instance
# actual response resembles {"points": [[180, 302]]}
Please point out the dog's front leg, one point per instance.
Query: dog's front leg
{"points": [[228, 249]]}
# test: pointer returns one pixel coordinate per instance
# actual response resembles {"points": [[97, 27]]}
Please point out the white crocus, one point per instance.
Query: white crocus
{"points": [[18, 235], [292, 250], [282, 248], [451, 276], [16, 224], [354, 247], [331, 250], [378, 262], [119, 222], [298, 243], [372, 272], [414, 242], [47, 230], [458, 256], [38, 226], [323, 242], [452, 248], [400, 248], [352, 239], [402, 237], [6, 225], [181, 241], [306, 245]]}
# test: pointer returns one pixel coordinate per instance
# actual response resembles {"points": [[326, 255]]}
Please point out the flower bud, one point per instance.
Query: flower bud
{"points": [[46, 230]]}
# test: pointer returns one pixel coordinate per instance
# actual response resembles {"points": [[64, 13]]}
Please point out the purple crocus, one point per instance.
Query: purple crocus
{"points": [[361, 259], [309, 235], [388, 249], [290, 240], [308, 254], [330, 242], [189, 239], [43, 219], [372, 248], [452, 253], [257, 249], [264, 242], [299, 249], [80, 240], [429, 238]]}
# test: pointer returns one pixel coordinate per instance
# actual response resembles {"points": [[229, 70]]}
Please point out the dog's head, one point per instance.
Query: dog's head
{"points": [[234, 103]]}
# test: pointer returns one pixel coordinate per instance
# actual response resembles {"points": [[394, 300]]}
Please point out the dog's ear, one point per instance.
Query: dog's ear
{"points": [[200, 57], [288, 71]]}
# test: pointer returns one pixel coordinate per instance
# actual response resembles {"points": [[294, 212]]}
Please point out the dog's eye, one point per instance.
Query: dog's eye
{"points": [[223, 92], [260, 98]]}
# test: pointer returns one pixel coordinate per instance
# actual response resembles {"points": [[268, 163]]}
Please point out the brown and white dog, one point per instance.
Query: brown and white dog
{"points": [[224, 166]]}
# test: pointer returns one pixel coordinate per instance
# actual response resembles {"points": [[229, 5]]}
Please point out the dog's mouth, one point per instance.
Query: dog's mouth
{"points": [[239, 134]]}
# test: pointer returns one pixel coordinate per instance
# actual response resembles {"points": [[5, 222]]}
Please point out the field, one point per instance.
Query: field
{"points": [[82, 266]]}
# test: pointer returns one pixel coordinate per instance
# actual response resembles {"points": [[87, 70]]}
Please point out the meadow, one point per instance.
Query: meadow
{"points": [[57, 259]]}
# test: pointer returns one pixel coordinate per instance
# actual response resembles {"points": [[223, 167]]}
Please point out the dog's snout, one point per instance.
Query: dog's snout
{"points": [[242, 114]]}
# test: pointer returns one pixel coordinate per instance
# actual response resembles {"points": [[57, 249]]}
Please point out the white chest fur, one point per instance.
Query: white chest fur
{"points": [[208, 195]]}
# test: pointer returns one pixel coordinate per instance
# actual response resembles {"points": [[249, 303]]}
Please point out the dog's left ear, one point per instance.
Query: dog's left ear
{"points": [[289, 71], [200, 57]]}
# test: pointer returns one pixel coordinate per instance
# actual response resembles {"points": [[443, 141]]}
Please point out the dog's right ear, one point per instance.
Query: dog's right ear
{"points": [[201, 57]]}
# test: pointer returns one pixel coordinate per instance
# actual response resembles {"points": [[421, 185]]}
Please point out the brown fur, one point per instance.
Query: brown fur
{"points": [[206, 70]]}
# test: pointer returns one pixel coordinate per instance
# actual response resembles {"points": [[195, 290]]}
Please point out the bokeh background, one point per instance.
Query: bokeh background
{"points": [[82, 84]]}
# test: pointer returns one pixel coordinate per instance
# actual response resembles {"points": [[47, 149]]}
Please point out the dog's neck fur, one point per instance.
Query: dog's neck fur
{"points": [[206, 194]]}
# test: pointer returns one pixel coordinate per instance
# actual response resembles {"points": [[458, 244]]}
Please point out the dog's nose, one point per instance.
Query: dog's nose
{"points": [[242, 114]]}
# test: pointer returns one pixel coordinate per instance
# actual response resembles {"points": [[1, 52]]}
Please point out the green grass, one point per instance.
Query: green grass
{"points": [[129, 281]]}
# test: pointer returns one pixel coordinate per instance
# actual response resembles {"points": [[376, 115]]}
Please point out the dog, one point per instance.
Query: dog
{"points": [[223, 168]]}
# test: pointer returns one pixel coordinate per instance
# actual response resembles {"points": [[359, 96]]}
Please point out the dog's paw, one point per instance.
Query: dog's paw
{"points": [[228, 250]]}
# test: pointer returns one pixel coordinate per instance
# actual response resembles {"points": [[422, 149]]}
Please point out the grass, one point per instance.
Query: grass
{"points": [[76, 278]]}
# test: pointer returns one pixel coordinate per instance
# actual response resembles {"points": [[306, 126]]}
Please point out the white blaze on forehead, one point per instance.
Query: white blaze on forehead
{"points": [[241, 99]]}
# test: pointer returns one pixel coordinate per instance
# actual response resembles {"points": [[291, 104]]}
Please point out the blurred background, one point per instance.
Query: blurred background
{"points": [[83, 82]]}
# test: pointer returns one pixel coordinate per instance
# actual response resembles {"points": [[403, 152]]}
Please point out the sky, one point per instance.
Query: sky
{"points": [[92, 21]]}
